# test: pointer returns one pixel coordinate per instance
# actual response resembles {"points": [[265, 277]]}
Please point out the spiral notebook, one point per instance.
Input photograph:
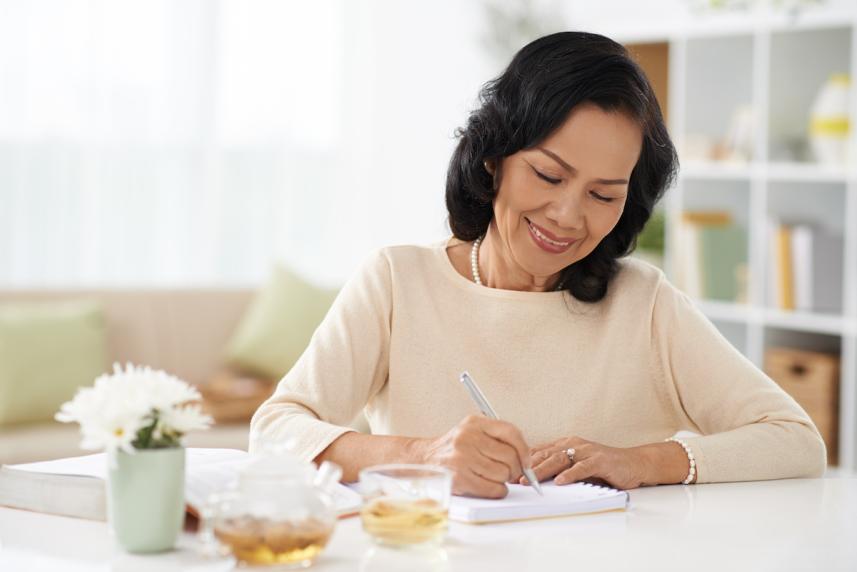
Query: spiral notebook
{"points": [[523, 503]]}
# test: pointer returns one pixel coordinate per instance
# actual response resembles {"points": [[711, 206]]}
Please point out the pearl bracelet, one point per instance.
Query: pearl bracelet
{"points": [[692, 473]]}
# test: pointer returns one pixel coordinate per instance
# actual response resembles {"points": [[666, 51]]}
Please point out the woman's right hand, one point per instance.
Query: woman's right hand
{"points": [[483, 454]]}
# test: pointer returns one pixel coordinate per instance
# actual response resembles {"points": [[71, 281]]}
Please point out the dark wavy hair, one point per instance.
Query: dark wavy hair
{"points": [[530, 100]]}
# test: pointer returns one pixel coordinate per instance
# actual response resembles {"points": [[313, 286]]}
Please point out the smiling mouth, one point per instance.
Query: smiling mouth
{"points": [[545, 239]]}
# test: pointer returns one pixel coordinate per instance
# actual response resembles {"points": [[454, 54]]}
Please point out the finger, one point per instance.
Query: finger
{"points": [[578, 471], [471, 483], [489, 468], [539, 454], [551, 466], [504, 453], [542, 446], [508, 433]]}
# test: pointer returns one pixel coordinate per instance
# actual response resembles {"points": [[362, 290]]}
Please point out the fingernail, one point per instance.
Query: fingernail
{"points": [[559, 481]]}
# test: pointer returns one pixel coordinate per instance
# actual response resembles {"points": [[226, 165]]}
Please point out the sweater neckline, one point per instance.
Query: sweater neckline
{"points": [[461, 282]]}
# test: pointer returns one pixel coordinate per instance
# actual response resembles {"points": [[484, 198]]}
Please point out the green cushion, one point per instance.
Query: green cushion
{"points": [[278, 325], [47, 351]]}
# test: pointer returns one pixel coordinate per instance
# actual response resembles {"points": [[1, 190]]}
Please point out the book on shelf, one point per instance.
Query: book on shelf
{"points": [[805, 267], [712, 256], [76, 486]]}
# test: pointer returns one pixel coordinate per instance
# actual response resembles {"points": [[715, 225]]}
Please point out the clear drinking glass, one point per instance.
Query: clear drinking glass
{"points": [[405, 505]]}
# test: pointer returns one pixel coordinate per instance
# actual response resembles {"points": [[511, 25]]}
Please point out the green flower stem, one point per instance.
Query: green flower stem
{"points": [[146, 436]]}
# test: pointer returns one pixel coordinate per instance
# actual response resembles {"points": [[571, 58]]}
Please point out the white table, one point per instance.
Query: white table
{"points": [[800, 524]]}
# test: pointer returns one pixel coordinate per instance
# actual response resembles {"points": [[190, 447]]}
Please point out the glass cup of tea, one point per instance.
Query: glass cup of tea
{"points": [[405, 505]]}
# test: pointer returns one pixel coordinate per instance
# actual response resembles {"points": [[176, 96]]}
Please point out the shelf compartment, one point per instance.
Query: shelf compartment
{"points": [[718, 122], [711, 254], [811, 375], [801, 62], [804, 248]]}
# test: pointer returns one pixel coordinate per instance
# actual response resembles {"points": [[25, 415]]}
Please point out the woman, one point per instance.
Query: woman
{"points": [[594, 358]]}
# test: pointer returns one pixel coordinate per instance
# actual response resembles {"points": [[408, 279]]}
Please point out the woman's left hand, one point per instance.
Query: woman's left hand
{"points": [[620, 468]]}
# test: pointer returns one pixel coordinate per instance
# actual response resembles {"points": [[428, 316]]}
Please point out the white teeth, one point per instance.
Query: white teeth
{"points": [[546, 239]]}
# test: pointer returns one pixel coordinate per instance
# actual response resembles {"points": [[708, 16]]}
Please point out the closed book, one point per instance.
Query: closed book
{"points": [[785, 274], [724, 251], [689, 255], [773, 271], [802, 266], [828, 261], [710, 250], [76, 486], [523, 503]]}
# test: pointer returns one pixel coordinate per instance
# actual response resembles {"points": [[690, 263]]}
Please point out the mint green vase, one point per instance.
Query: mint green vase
{"points": [[145, 501]]}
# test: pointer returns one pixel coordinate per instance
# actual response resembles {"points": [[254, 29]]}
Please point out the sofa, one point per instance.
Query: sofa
{"points": [[183, 332]]}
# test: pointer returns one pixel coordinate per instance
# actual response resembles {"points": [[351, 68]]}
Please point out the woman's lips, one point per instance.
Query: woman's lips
{"points": [[546, 243]]}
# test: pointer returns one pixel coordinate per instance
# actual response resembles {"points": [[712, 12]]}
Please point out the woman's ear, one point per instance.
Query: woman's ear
{"points": [[489, 165]]}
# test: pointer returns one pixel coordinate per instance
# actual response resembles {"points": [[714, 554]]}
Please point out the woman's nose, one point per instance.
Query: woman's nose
{"points": [[567, 210]]}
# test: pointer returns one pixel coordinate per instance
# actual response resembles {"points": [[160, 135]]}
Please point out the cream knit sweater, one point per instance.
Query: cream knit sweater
{"points": [[632, 369]]}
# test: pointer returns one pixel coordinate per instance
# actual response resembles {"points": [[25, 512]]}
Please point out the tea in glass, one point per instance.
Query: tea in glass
{"points": [[405, 504]]}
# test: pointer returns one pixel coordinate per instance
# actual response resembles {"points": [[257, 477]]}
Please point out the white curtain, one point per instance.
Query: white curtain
{"points": [[193, 142]]}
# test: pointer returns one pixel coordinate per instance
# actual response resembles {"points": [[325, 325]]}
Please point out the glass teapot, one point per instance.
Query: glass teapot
{"points": [[278, 513]]}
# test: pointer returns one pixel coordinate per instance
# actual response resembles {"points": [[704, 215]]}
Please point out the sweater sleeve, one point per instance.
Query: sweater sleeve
{"points": [[344, 365], [750, 428]]}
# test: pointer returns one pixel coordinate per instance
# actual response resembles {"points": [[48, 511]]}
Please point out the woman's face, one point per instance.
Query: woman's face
{"points": [[558, 200]]}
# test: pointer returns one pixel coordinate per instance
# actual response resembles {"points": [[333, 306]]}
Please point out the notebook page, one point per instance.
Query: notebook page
{"points": [[523, 502]]}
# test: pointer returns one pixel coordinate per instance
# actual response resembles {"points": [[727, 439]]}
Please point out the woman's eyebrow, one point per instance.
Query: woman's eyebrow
{"points": [[571, 169]]}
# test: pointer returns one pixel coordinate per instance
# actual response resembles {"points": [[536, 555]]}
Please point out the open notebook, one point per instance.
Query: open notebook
{"points": [[523, 503], [76, 486]]}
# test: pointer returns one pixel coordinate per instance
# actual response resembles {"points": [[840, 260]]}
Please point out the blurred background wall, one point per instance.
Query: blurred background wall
{"points": [[194, 142]]}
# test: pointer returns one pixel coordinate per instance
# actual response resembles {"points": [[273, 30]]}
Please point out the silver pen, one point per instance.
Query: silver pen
{"points": [[488, 412]]}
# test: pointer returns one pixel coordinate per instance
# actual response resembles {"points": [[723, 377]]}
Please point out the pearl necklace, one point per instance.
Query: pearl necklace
{"points": [[474, 264], [474, 256]]}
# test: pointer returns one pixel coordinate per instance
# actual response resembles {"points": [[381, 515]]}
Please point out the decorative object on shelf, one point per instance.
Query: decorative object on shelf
{"points": [[139, 415], [734, 146], [829, 124], [737, 145], [812, 379]]}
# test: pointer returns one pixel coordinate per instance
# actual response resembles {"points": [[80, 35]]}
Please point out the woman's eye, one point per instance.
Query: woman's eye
{"points": [[603, 199], [544, 177]]}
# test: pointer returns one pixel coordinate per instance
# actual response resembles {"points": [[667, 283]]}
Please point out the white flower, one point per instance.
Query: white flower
{"points": [[184, 419], [122, 407]]}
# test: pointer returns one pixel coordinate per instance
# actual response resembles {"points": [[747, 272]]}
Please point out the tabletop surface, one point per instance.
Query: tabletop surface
{"points": [[794, 524]]}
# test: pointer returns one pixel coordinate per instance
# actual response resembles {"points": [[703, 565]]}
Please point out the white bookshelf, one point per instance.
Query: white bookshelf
{"points": [[775, 63]]}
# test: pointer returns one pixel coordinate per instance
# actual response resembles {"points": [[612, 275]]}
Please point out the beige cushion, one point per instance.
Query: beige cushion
{"points": [[278, 325], [47, 351], [184, 332]]}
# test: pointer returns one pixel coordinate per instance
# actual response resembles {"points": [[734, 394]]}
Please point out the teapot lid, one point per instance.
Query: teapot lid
{"points": [[275, 460]]}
